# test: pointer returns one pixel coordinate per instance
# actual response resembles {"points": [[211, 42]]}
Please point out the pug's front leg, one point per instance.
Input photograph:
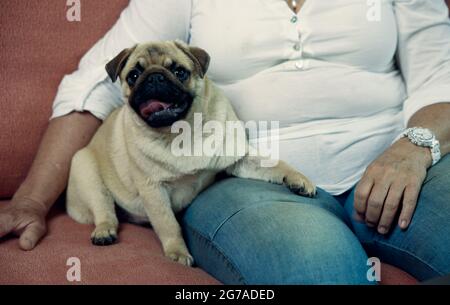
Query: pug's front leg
{"points": [[162, 218], [281, 173]]}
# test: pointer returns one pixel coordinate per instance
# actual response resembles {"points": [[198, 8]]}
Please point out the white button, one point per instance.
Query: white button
{"points": [[294, 19], [300, 64], [297, 46]]}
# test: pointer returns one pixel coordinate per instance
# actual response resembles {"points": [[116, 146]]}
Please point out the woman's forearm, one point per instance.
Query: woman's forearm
{"points": [[48, 175]]}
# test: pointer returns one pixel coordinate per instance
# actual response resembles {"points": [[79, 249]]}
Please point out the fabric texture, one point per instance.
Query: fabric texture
{"points": [[136, 259], [38, 47], [320, 81], [252, 232]]}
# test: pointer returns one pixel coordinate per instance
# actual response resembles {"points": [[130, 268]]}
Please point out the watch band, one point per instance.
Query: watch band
{"points": [[435, 151], [424, 137]]}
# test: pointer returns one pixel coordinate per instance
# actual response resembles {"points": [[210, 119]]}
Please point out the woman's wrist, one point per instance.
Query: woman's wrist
{"points": [[421, 154], [31, 195]]}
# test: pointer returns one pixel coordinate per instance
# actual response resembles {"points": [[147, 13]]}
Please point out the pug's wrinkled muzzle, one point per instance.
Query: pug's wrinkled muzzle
{"points": [[159, 101]]}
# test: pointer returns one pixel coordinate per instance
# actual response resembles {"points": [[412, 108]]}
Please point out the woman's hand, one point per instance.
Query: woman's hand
{"points": [[23, 217], [25, 214], [392, 183]]}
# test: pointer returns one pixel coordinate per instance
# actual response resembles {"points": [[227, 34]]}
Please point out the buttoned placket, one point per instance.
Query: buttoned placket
{"points": [[297, 47]]}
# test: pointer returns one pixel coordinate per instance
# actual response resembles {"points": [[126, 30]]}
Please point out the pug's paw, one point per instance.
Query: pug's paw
{"points": [[180, 254], [299, 184], [104, 235]]}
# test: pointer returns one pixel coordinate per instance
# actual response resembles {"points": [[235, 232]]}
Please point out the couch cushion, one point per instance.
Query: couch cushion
{"points": [[136, 259], [38, 47], [391, 275]]}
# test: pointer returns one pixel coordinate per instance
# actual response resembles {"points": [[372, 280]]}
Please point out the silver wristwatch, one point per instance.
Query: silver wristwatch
{"points": [[425, 138]]}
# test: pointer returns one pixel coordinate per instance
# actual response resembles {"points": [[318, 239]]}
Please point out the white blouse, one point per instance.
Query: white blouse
{"points": [[342, 77]]}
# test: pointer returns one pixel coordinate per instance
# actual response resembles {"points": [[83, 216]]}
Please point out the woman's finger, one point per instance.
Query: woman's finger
{"points": [[390, 207], [31, 235], [362, 193], [410, 197], [375, 203]]}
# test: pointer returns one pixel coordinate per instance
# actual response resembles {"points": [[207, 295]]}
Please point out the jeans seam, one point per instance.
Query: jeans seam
{"points": [[223, 222], [219, 251], [406, 252]]}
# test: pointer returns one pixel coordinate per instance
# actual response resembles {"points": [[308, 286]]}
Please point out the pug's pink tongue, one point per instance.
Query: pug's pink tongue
{"points": [[152, 106]]}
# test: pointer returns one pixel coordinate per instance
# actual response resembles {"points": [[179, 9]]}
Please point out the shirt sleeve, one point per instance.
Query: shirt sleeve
{"points": [[423, 52], [89, 88]]}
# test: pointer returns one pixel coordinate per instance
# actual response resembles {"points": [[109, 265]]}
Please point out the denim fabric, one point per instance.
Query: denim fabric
{"points": [[244, 231]]}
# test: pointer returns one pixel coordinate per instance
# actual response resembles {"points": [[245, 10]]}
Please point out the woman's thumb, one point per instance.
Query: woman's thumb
{"points": [[31, 235]]}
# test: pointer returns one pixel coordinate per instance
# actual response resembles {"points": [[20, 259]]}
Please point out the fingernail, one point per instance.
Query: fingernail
{"points": [[403, 224], [382, 230]]}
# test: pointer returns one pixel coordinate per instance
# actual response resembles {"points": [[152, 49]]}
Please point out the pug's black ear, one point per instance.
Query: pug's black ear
{"points": [[199, 56], [115, 66]]}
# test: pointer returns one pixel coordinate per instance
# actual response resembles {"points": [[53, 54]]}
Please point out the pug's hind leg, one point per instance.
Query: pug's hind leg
{"points": [[89, 201]]}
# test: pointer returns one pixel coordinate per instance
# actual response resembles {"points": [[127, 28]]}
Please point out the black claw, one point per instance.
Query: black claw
{"points": [[104, 241], [297, 189], [300, 190], [108, 240]]}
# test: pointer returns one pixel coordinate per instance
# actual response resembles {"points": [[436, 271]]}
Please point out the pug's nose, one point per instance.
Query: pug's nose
{"points": [[156, 78]]}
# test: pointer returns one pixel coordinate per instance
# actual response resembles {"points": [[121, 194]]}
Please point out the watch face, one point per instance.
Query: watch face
{"points": [[422, 135]]}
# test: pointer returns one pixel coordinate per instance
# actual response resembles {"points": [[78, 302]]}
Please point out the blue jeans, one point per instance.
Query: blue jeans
{"points": [[251, 232]]}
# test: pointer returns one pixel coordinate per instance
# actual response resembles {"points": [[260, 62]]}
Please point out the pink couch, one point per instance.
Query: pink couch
{"points": [[39, 46]]}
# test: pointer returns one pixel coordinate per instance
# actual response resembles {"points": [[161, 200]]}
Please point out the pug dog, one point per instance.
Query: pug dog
{"points": [[129, 161]]}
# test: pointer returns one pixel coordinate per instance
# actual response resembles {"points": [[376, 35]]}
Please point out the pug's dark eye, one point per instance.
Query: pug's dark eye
{"points": [[133, 76], [181, 73]]}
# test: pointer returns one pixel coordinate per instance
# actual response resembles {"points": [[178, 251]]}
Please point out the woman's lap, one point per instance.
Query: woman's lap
{"points": [[253, 232]]}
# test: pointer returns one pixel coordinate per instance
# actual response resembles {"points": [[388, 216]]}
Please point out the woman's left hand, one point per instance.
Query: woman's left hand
{"points": [[392, 182]]}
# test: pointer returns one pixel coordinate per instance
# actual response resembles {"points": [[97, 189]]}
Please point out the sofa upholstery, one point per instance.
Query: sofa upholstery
{"points": [[136, 259], [37, 47]]}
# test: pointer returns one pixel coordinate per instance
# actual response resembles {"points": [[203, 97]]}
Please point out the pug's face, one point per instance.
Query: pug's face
{"points": [[160, 80]]}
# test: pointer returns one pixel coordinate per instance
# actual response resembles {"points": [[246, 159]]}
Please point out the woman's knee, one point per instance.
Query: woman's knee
{"points": [[227, 197], [280, 243]]}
